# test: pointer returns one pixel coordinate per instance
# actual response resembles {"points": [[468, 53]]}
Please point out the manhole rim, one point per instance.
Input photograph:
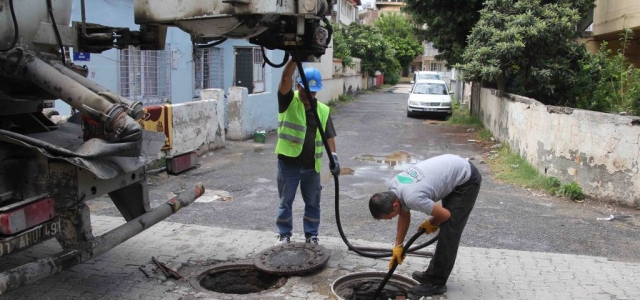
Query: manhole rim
{"points": [[313, 264], [194, 281], [395, 278]]}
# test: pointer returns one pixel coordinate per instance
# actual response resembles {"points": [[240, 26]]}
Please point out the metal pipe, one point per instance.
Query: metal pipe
{"points": [[68, 90], [84, 19], [134, 108], [32, 272], [113, 116]]}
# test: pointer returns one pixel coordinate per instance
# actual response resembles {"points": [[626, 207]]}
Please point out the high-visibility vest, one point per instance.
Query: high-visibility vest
{"points": [[292, 126]]}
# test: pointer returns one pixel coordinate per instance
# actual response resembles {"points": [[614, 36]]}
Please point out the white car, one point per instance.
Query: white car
{"points": [[429, 97]]}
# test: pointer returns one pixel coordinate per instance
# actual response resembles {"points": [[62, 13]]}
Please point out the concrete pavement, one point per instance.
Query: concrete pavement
{"points": [[479, 273]]}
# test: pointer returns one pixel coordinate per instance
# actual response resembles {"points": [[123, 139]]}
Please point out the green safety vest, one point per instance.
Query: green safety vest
{"points": [[292, 126]]}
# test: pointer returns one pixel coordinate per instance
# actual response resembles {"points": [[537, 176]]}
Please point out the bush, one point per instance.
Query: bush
{"points": [[392, 78], [571, 190], [552, 184]]}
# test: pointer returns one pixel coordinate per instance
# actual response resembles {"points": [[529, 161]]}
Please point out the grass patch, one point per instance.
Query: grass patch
{"points": [[463, 118], [344, 98], [484, 135], [511, 168]]}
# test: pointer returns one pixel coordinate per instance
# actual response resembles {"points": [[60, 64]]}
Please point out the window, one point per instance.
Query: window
{"points": [[436, 67], [208, 69], [429, 50], [258, 71], [145, 76]]}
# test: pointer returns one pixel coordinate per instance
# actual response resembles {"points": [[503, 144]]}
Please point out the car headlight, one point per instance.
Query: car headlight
{"points": [[414, 103]]}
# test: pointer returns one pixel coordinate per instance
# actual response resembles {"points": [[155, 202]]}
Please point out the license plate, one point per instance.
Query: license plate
{"points": [[430, 109], [29, 238]]}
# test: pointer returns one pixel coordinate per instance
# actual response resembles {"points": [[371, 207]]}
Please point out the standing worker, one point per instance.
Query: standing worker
{"points": [[449, 178], [300, 149]]}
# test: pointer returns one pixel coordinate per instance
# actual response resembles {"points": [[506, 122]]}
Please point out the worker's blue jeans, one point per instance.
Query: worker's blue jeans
{"points": [[289, 177]]}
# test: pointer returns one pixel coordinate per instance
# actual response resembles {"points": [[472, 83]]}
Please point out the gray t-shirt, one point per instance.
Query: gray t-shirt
{"points": [[420, 186]]}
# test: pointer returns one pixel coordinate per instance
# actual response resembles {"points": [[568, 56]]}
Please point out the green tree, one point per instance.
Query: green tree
{"points": [[341, 48], [398, 31], [368, 44], [528, 43], [449, 22], [610, 83]]}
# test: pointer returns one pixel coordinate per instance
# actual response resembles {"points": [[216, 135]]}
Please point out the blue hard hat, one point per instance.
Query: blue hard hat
{"points": [[314, 77]]}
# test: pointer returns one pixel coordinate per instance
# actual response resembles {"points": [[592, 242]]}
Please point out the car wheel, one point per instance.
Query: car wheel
{"points": [[409, 114]]}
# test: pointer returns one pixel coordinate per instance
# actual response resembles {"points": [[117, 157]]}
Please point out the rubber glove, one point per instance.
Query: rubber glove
{"points": [[428, 228], [397, 256], [336, 168]]}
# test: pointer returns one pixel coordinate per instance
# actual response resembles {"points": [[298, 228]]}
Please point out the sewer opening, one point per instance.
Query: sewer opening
{"points": [[240, 280], [366, 289]]}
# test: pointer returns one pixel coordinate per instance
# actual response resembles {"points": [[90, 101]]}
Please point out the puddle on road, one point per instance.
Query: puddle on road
{"points": [[398, 160]]}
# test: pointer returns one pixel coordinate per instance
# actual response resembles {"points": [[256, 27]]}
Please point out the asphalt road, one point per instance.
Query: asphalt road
{"points": [[375, 141]]}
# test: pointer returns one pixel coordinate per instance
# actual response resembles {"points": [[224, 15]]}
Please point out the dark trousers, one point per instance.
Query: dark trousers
{"points": [[460, 203]]}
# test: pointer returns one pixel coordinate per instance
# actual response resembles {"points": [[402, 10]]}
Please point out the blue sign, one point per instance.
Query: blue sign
{"points": [[81, 56]]}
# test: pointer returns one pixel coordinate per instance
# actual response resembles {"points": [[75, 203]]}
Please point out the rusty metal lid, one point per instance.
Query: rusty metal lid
{"points": [[292, 259]]}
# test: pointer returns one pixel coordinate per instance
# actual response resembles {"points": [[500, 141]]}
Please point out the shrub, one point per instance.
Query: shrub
{"points": [[571, 190]]}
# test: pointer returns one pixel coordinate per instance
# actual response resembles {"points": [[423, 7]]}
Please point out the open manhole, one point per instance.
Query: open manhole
{"points": [[363, 286], [242, 278]]}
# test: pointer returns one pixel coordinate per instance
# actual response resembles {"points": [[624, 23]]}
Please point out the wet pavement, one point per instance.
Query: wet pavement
{"points": [[518, 244]]}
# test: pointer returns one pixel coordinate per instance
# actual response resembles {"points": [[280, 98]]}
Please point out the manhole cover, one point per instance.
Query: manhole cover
{"points": [[236, 278], [363, 286], [292, 259]]}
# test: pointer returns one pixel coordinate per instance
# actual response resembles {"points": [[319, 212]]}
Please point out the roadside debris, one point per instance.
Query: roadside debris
{"points": [[168, 272], [611, 217]]}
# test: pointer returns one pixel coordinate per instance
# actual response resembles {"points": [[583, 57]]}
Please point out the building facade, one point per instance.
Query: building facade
{"points": [[177, 73], [610, 18]]}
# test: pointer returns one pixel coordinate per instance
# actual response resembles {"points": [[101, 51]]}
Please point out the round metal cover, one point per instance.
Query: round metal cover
{"points": [[292, 259]]}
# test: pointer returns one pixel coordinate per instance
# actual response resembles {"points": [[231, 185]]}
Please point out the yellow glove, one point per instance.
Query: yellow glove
{"points": [[428, 228], [397, 256]]}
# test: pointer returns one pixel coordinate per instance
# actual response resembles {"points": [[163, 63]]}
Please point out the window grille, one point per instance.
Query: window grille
{"points": [[258, 71], [437, 67], [209, 69], [145, 76]]}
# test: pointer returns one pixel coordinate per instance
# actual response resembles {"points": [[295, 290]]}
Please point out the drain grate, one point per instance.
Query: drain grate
{"points": [[237, 279]]}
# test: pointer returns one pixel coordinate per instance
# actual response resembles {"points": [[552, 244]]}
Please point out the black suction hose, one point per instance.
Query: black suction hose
{"points": [[395, 263], [377, 253]]}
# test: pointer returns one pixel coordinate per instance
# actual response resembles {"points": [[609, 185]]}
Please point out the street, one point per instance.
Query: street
{"points": [[375, 141]]}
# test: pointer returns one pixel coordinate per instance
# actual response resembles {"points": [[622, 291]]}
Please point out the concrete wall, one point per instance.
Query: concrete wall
{"points": [[248, 113], [599, 151], [196, 126]]}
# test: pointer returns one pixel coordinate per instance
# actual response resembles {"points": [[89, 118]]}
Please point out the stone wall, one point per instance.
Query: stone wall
{"points": [[599, 151]]}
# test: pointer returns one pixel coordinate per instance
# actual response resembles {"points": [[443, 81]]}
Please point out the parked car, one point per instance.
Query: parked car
{"points": [[429, 97], [424, 75]]}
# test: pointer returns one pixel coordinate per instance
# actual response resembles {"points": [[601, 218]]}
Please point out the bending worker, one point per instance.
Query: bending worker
{"points": [[449, 178], [299, 150]]}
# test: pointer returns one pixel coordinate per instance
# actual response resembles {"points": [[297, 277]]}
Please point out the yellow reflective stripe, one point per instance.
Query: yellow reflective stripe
{"points": [[290, 138], [319, 144], [292, 126], [318, 155]]}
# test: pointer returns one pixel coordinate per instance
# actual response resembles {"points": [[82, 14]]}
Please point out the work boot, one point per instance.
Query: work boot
{"points": [[283, 239], [428, 289], [420, 276], [312, 240]]}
